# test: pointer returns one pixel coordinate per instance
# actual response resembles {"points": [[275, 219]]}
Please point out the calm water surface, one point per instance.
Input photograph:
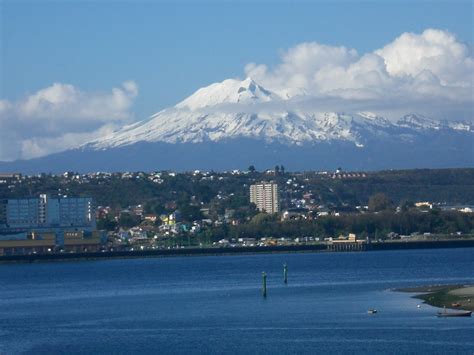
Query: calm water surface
{"points": [[213, 304]]}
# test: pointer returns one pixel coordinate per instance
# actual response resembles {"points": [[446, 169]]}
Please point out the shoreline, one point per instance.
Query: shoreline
{"points": [[161, 253], [223, 251], [456, 297]]}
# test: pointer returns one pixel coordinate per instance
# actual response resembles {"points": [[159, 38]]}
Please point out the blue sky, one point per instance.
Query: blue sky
{"points": [[170, 49], [73, 71]]}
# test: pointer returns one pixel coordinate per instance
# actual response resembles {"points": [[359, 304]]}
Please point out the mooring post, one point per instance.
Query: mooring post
{"points": [[285, 273], [264, 286]]}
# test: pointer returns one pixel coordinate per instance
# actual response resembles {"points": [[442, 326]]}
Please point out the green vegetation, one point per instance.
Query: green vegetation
{"points": [[449, 296], [222, 199], [379, 202], [376, 226], [454, 186]]}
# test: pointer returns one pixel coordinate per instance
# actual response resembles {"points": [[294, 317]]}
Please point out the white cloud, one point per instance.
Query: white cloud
{"points": [[431, 73], [61, 116], [63, 104], [433, 51], [414, 72], [300, 64], [40, 146]]}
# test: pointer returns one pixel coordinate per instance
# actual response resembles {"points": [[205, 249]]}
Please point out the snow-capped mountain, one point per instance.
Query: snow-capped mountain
{"points": [[228, 91], [418, 122], [235, 123], [236, 109]]}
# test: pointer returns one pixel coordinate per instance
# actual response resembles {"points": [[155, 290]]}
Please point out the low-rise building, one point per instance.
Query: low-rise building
{"points": [[23, 244], [295, 214], [79, 242]]}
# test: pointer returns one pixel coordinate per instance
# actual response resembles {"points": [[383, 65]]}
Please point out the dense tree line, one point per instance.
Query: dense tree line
{"points": [[453, 186], [374, 225]]}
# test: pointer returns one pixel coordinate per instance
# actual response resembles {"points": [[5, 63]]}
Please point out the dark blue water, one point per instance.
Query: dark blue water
{"points": [[213, 305]]}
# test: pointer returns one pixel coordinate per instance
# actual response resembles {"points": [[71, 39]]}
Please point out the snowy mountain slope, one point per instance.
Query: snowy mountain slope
{"points": [[234, 124], [418, 122], [244, 109], [228, 91]]}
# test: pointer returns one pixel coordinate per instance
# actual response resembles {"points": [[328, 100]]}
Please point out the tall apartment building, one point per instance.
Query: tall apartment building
{"points": [[48, 212], [265, 197]]}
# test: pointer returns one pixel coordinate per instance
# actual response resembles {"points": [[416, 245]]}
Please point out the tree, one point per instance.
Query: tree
{"points": [[128, 220], [264, 218], [277, 170], [204, 193], [190, 213], [252, 168], [379, 202], [106, 224], [405, 205]]}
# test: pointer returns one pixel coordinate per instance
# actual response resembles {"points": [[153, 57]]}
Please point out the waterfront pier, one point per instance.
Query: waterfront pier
{"points": [[351, 243], [348, 246]]}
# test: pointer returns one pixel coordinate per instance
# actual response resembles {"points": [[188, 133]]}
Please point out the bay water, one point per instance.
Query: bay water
{"points": [[214, 305]]}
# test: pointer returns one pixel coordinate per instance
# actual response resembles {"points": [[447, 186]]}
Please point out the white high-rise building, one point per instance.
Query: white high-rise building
{"points": [[265, 197]]}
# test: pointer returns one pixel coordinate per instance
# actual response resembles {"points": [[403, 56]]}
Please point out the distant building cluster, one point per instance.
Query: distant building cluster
{"points": [[349, 175], [178, 210], [45, 224]]}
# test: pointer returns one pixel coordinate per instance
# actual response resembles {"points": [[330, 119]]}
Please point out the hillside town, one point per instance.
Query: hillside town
{"points": [[74, 212]]}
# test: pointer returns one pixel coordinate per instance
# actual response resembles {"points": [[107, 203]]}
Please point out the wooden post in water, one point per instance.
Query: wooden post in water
{"points": [[285, 273], [264, 286]]}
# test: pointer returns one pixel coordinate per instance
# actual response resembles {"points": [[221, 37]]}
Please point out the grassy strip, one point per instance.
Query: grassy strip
{"points": [[441, 296]]}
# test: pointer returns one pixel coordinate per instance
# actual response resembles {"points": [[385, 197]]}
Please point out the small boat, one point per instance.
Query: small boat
{"points": [[372, 311], [454, 314]]}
